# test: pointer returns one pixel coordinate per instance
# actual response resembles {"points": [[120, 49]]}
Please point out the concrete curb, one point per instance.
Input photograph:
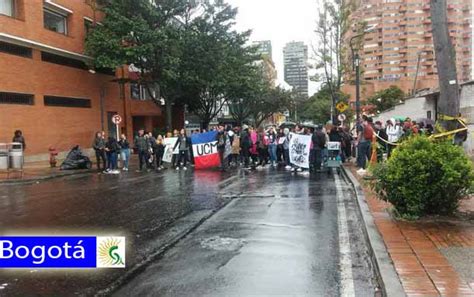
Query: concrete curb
{"points": [[386, 273], [162, 249], [44, 178]]}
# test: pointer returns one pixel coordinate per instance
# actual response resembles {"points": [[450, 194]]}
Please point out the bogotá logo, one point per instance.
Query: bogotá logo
{"points": [[111, 252]]}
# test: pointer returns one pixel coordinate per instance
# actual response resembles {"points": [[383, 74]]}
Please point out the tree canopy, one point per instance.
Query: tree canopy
{"points": [[386, 99]]}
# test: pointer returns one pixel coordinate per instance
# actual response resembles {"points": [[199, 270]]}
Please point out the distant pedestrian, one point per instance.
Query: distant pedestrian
{"points": [[124, 151], [286, 148], [221, 139], [159, 152], [245, 145], [182, 145], [18, 137], [272, 146], [99, 147], [141, 145], [112, 149]]}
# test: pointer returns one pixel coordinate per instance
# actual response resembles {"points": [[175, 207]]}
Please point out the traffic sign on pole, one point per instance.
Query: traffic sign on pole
{"points": [[117, 119]]}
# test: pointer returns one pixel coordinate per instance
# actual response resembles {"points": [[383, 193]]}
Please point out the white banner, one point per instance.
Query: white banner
{"points": [[169, 145], [300, 146]]}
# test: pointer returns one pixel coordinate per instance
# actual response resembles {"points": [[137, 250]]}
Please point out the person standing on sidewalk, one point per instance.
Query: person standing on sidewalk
{"points": [[272, 146], [182, 144], [365, 132], [99, 147], [221, 139], [141, 145], [124, 151], [112, 148], [18, 137]]}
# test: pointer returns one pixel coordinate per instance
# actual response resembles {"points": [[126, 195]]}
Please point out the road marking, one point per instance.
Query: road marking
{"points": [[345, 259]]}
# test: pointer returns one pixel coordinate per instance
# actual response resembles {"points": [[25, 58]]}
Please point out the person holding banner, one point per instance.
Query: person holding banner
{"points": [[183, 144]]}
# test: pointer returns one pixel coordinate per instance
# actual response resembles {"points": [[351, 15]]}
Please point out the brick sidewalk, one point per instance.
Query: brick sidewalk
{"points": [[416, 248], [37, 170]]}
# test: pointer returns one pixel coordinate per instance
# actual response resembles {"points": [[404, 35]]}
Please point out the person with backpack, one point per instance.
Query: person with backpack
{"points": [[319, 143], [364, 138]]}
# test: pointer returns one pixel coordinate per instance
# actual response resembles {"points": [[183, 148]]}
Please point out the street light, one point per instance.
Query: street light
{"points": [[356, 66]]}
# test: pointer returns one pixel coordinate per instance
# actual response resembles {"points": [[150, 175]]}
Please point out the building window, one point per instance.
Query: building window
{"points": [[16, 50], [140, 92], [87, 26], [60, 60], [66, 102], [55, 21], [16, 98], [7, 7]]}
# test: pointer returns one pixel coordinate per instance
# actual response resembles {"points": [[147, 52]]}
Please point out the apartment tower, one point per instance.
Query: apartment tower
{"points": [[399, 48]]}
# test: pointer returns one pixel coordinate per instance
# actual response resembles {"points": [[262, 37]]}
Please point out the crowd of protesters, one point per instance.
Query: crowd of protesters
{"points": [[250, 148], [255, 148]]}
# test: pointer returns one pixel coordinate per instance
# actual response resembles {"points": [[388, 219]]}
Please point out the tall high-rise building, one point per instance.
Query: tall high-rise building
{"points": [[295, 56], [264, 48], [399, 50]]}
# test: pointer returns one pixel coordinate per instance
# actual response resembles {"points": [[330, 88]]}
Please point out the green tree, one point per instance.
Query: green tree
{"points": [[216, 61], [142, 33], [318, 107], [386, 99], [332, 25]]}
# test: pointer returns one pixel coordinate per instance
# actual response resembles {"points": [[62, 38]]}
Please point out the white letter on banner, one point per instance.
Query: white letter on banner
{"points": [[41, 256], [3, 248], [17, 252], [50, 252]]}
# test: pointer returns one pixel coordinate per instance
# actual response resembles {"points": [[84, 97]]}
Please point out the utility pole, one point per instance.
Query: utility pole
{"points": [[445, 60], [416, 74]]}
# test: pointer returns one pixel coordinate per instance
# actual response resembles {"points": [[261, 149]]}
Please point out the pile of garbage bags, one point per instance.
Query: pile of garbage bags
{"points": [[76, 160]]}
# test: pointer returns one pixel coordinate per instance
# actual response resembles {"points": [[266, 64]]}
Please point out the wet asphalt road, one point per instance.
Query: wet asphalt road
{"points": [[279, 234]]}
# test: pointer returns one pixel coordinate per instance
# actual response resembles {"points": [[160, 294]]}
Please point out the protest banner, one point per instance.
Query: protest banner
{"points": [[300, 146], [205, 150], [169, 143]]}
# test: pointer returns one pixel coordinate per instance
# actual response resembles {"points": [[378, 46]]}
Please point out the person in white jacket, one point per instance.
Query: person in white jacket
{"points": [[394, 132]]}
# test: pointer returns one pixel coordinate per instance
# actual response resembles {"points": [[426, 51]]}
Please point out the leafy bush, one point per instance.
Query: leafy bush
{"points": [[424, 178]]}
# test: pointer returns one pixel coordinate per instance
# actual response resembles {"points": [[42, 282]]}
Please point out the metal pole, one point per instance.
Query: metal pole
{"points": [[357, 69], [102, 98], [123, 98], [117, 131], [416, 75]]}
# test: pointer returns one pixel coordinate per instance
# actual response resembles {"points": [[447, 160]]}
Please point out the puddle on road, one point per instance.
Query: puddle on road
{"points": [[222, 243]]}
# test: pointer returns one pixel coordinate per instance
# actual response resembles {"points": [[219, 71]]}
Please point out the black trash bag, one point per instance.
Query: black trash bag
{"points": [[76, 160]]}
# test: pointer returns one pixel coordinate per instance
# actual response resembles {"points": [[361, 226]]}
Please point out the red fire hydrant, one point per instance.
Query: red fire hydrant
{"points": [[52, 156]]}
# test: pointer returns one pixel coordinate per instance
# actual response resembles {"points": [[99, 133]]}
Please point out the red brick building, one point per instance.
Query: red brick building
{"points": [[46, 88]]}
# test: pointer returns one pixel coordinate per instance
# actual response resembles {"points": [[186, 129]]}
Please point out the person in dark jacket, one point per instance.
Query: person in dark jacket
{"points": [[99, 147], [112, 148], [245, 144], [141, 145], [221, 139], [18, 137], [183, 145], [319, 143]]}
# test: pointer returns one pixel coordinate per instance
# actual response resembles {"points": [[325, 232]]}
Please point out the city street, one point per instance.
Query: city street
{"points": [[263, 232]]}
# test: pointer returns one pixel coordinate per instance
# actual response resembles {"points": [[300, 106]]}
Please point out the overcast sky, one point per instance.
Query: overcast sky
{"points": [[280, 21]]}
